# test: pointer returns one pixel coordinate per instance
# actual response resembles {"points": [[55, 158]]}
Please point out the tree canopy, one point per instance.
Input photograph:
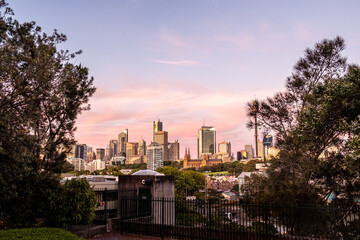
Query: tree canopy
{"points": [[318, 111], [41, 94]]}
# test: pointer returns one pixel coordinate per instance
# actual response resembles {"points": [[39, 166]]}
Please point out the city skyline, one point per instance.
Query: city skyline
{"points": [[184, 62]]}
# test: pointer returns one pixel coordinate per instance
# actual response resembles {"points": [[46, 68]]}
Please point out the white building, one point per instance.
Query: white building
{"points": [[155, 156], [78, 163]]}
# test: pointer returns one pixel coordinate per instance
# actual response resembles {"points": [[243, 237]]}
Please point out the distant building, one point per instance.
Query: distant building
{"points": [[260, 149], [78, 163], [141, 147], [206, 141], [155, 154], [100, 153], [161, 137], [197, 163], [225, 147], [131, 149], [249, 151], [113, 145], [123, 139], [80, 151], [174, 151], [157, 127], [90, 154]]}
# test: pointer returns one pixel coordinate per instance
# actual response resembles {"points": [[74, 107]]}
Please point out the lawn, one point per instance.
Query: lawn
{"points": [[218, 173], [37, 234]]}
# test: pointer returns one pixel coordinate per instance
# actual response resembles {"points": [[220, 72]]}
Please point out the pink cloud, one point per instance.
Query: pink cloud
{"points": [[182, 109], [177, 63]]}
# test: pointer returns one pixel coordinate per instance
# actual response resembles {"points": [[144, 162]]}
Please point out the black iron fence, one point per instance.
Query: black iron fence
{"points": [[188, 219]]}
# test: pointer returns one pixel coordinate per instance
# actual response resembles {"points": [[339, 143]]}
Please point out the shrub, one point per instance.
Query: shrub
{"points": [[37, 234]]}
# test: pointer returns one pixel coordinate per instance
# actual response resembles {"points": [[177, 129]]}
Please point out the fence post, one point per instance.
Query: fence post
{"points": [[209, 216], [121, 214], [105, 207], [162, 217], [266, 221]]}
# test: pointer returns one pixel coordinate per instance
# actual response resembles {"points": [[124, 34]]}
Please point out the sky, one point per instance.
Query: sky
{"points": [[187, 62]]}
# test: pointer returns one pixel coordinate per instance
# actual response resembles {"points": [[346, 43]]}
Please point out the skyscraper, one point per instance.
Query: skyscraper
{"points": [[155, 153], [141, 147], [100, 153], [157, 126], [131, 150], [174, 151], [80, 151], [113, 145], [249, 151], [206, 141], [225, 147], [161, 137], [123, 139]]}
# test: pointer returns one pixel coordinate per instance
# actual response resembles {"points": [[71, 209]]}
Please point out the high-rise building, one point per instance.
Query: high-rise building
{"points": [[155, 154], [80, 151], [249, 151], [260, 149], [206, 141], [141, 147], [224, 147], [90, 154], [100, 154], [131, 149], [157, 126], [113, 145], [161, 137], [174, 151], [123, 139]]}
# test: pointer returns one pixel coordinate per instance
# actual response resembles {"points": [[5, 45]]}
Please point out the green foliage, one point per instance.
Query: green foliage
{"points": [[38, 234], [186, 182], [319, 109], [41, 94], [73, 204]]}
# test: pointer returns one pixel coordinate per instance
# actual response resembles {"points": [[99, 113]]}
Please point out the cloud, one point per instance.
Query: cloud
{"points": [[182, 108], [177, 63]]}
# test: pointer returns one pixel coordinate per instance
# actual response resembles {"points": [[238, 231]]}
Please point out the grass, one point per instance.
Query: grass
{"points": [[217, 173], [38, 234]]}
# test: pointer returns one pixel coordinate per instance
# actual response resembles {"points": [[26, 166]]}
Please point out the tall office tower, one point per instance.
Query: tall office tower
{"points": [[238, 155], [206, 141], [123, 139], [249, 151], [80, 151], [90, 154], [100, 154], [131, 149], [225, 147], [107, 153], [174, 151], [141, 147], [161, 137], [260, 149], [113, 145], [155, 154], [157, 126]]}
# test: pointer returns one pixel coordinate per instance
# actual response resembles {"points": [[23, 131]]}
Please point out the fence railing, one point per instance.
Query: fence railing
{"points": [[195, 219]]}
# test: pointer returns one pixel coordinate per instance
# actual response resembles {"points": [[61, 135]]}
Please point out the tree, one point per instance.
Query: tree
{"points": [[315, 112], [73, 204], [41, 94]]}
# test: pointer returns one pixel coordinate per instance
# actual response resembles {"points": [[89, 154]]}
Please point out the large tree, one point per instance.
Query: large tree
{"points": [[319, 109], [41, 94]]}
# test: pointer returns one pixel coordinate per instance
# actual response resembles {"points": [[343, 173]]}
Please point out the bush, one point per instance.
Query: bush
{"points": [[73, 204], [37, 234]]}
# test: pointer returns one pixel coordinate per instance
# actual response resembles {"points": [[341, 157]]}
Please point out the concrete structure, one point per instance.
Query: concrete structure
{"points": [[155, 156], [249, 151], [100, 154], [174, 151], [206, 141], [260, 149], [146, 184], [123, 139]]}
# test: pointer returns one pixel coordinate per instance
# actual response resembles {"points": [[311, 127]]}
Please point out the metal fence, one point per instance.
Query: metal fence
{"points": [[187, 219]]}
